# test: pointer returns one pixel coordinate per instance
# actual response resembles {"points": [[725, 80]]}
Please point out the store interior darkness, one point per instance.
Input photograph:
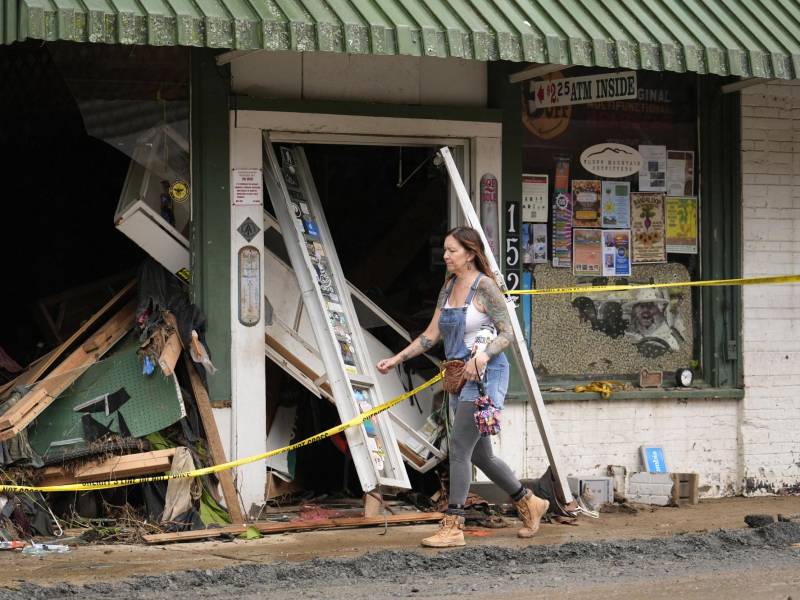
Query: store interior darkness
{"points": [[60, 189]]}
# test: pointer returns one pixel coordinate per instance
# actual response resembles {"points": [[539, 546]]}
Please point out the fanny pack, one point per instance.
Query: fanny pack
{"points": [[453, 376]]}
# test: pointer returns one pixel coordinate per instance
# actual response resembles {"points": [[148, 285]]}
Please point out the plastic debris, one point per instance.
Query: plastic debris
{"points": [[149, 366], [12, 545], [200, 355], [38, 549]]}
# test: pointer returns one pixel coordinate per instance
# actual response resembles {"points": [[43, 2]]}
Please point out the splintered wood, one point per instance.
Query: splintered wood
{"points": [[116, 467], [31, 405], [267, 527], [214, 443], [39, 367]]}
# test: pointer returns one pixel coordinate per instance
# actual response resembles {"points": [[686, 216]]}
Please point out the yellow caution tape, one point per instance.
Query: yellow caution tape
{"points": [[104, 485], [588, 289]]}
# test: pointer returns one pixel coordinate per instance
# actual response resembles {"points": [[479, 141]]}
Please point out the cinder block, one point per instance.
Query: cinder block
{"points": [[650, 488], [660, 500], [645, 477]]}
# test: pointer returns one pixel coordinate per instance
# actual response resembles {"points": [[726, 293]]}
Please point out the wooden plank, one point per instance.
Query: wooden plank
{"points": [[56, 354], [42, 395], [26, 377], [214, 442], [186, 536], [116, 467], [170, 354], [410, 454], [295, 362]]}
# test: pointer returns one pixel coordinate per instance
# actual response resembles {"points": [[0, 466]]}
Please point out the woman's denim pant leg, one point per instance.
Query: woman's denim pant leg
{"points": [[467, 445]]}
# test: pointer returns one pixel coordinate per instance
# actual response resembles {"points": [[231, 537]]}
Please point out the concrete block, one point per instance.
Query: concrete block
{"points": [[650, 488], [645, 477], [660, 500]]}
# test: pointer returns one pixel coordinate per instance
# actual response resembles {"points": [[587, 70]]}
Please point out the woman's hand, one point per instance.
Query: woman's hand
{"points": [[387, 364], [475, 366]]}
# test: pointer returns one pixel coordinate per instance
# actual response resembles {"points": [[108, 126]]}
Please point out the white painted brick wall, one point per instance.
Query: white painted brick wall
{"points": [[770, 415], [698, 436]]}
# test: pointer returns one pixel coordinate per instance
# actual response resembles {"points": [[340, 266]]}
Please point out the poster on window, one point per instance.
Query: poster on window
{"points": [[586, 199], [587, 251], [653, 172], [617, 204], [562, 230], [534, 243], [681, 217], [562, 215], [680, 173], [534, 198], [647, 228], [617, 253]]}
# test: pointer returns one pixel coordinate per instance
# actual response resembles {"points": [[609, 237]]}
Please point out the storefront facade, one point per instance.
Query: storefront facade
{"points": [[312, 79]]}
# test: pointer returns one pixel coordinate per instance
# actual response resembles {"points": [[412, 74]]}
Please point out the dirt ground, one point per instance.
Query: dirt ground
{"points": [[702, 551]]}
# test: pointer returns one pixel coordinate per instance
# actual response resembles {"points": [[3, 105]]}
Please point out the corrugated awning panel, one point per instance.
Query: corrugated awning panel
{"points": [[748, 38]]}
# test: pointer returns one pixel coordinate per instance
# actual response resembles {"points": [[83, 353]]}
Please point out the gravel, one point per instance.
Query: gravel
{"points": [[485, 569]]}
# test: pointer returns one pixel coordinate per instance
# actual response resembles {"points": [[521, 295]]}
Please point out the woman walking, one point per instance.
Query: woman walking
{"points": [[468, 302]]}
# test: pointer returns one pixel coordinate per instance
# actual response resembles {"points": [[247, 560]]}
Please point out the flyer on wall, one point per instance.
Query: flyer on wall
{"points": [[562, 230], [562, 215], [534, 243], [653, 172], [680, 173], [539, 243], [681, 217], [587, 251], [526, 243], [617, 204], [534, 198], [617, 253], [586, 199], [647, 228]]}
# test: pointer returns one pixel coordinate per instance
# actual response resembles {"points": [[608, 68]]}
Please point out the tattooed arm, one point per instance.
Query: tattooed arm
{"points": [[427, 339], [489, 299]]}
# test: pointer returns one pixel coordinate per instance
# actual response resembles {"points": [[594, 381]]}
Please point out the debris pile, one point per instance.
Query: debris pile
{"points": [[123, 396]]}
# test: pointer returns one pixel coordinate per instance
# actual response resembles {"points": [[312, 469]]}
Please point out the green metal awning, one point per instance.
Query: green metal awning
{"points": [[748, 38]]}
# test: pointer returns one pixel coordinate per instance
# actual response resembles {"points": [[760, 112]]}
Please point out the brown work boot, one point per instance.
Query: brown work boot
{"points": [[450, 533], [531, 509]]}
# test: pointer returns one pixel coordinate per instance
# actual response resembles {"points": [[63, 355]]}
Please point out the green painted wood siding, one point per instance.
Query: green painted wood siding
{"points": [[747, 38]]}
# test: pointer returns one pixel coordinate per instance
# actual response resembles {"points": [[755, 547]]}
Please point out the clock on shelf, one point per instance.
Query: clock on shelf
{"points": [[684, 377]]}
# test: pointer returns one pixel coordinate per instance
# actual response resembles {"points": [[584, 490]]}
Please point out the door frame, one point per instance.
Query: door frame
{"points": [[477, 147]]}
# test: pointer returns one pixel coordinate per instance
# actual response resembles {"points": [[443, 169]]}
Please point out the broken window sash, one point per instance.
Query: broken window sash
{"points": [[323, 289]]}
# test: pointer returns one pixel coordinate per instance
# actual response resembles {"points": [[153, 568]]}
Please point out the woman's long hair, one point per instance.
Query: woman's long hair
{"points": [[471, 241]]}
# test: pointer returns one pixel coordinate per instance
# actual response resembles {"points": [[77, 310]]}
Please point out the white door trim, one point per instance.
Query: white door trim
{"points": [[276, 121]]}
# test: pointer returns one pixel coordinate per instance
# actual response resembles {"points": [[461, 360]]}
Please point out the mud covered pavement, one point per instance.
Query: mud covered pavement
{"points": [[729, 563]]}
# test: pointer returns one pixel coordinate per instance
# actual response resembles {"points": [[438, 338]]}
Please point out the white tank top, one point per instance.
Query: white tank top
{"points": [[475, 321]]}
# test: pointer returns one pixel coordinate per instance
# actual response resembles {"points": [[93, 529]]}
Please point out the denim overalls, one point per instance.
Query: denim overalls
{"points": [[452, 325]]}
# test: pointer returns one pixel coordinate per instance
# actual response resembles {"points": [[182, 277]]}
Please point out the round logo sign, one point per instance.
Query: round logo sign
{"points": [[179, 191], [611, 160], [544, 123]]}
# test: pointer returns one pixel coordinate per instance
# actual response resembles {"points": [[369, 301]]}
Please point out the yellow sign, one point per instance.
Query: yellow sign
{"points": [[681, 216], [179, 191]]}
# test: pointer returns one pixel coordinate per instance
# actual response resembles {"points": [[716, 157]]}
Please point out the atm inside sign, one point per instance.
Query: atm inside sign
{"points": [[582, 90]]}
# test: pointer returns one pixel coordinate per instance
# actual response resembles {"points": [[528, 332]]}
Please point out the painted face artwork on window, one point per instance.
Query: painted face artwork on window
{"points": [[648, 318]]}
